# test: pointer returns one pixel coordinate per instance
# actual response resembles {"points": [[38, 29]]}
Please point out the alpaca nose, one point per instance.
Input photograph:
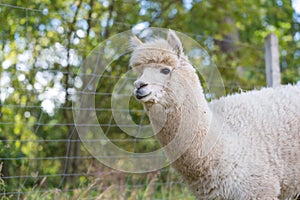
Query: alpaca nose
{"points": [[139, 84], [140, 90]]}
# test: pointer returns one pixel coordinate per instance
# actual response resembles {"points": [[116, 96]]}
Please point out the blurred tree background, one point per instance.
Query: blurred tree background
{"points": [[43, 43]]}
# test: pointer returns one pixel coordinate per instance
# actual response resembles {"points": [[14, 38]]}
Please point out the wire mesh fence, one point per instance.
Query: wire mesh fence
{"points": [[41, 153]]}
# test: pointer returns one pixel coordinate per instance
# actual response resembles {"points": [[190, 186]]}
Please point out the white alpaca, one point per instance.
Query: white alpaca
{"points": [[243, 146]]}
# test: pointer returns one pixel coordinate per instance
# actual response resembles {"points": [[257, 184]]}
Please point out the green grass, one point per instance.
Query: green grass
{"points": [[151, 186], [152, 190]]}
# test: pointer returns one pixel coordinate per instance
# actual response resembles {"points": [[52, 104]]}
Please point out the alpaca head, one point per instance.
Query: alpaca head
{"points": [[165, 70]]}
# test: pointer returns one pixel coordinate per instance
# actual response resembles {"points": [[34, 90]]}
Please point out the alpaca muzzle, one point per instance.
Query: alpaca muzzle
{"points": [[141, 92]]}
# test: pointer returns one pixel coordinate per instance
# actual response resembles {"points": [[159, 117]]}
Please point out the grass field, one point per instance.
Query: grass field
{"points": [[114, 186]]}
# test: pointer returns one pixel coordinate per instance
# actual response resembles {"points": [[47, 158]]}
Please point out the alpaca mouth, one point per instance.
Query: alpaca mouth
{"points": [[140, 94]]}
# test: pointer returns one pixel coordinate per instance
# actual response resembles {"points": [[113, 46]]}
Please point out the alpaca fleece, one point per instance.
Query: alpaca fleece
{"points": [[242, 146]]}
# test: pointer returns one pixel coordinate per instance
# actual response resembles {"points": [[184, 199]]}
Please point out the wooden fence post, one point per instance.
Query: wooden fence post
{"points": [[272, 60]]}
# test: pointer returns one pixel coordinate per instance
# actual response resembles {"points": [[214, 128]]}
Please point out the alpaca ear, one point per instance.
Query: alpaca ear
{"points": [[134, 42], [175, 42]]}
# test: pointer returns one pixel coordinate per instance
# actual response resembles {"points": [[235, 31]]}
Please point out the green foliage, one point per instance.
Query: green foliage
{"points": [[42, 45]]}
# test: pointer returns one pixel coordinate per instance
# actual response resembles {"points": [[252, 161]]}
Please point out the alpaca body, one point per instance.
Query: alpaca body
{"points": [[243, 146], [260, 162], [258, 147]]}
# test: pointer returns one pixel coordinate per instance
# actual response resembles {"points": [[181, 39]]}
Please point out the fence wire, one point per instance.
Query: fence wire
{"points": [[40, 150]]}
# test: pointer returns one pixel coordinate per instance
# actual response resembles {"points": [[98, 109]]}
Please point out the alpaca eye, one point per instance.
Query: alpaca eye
{"points": [[165, 71]]}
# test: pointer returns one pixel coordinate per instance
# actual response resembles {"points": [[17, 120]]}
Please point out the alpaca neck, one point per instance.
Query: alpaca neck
{"points": [[184, 127]]}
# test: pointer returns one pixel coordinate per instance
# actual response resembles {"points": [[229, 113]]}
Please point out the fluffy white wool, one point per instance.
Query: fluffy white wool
{"points": [[243, 146]]}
